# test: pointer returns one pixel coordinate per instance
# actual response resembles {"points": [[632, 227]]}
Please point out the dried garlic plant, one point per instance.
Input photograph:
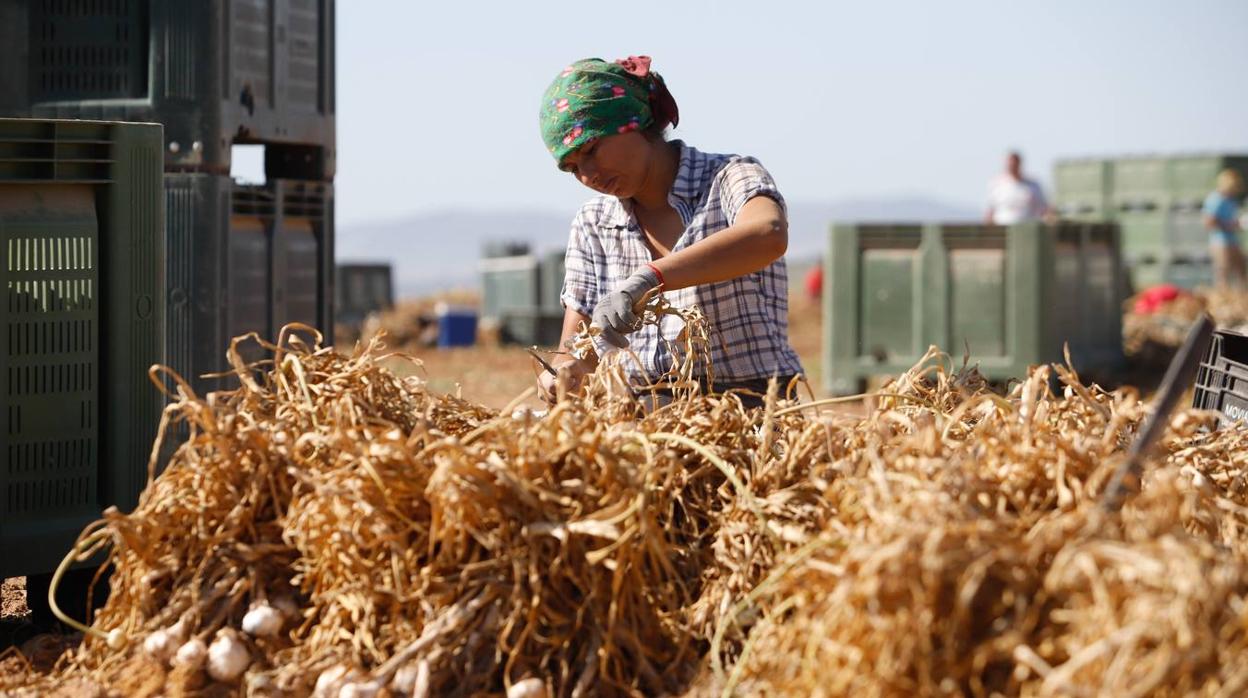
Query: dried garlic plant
{"points": [[331, 529]]}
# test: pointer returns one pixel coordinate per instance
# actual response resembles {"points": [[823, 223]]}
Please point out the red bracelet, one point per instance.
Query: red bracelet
{"points": [[657, 273]]}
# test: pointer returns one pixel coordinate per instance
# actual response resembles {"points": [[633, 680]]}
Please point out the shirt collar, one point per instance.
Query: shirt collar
{"points": [[690, 174], [689, 185]]}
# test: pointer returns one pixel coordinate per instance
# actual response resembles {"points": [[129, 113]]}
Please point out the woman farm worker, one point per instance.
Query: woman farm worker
{"points": [[1220, 215], [709, 230]]}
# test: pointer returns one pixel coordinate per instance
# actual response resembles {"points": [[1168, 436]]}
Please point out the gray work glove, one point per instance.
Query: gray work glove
{"points": [[614, 312]]}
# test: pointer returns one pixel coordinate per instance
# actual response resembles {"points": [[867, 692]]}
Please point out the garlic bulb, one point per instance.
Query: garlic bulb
{"points": [[262, 620], [330, 680], [159, 645], [528, 688], [191, 654], [411, 680], [116, 639], [259, 684], [228, 657], [360, 689], [405, 679]]}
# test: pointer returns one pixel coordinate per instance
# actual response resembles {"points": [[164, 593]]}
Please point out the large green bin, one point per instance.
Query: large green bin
{"points": [[81, 219], [1013, 296], [1157, 203]]}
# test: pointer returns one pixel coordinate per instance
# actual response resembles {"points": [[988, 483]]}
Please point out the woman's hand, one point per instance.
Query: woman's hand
{"points": [[573, 371], [615, 312]]}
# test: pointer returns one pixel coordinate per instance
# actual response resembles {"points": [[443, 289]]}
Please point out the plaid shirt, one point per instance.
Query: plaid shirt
{"points": [[748, 315]]}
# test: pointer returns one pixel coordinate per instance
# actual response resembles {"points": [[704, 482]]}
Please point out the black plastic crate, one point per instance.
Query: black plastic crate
{"points": [[361, 289], [1222, 379], [243, 258], [214, 72], [83, 273]]}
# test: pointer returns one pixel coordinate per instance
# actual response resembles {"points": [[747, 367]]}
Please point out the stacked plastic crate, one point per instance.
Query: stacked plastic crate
{"points": [[1156, 201], [83, 275], [216, 74], [360, 290], [520, 294]]}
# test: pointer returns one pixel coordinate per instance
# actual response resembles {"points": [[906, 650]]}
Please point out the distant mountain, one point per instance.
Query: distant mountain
{"points": [[439, 250]]}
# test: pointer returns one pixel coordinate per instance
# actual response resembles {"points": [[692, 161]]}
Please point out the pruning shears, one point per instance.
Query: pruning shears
{"points": [[545, 364]]}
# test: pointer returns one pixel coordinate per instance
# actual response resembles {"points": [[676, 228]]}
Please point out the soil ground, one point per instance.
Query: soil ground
{"points": [[13, 599], [495, 375]]}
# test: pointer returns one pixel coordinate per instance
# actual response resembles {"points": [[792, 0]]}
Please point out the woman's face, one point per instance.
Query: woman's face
{"points": [[614, 165]]}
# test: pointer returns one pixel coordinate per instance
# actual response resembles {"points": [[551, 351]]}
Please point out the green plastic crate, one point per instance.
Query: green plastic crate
{"points": [[1192, 176], [1170, 247], [81, 219], [1013, 295], [1156, 201], [510, 284], [552, 280], [1140, 184], [1082, 189], [1148, 233], [532, 326], [361, 289], [1184, 273]]}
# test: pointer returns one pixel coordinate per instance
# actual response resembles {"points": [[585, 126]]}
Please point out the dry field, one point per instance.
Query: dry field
{"points": [[494, 375]]}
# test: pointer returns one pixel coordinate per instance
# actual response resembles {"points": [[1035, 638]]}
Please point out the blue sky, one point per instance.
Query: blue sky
{"points": [[437, 102]]}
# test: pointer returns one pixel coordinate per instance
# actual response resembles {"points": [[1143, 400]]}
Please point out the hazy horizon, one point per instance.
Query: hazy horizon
{"points": [[421, 267]]}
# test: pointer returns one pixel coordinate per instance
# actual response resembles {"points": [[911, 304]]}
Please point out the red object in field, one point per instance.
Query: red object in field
{"points": [[1152, 298], [814, 282]]}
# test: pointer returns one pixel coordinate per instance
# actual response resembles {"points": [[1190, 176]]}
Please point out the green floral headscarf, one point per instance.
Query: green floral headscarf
{"points": [[593, 98]]}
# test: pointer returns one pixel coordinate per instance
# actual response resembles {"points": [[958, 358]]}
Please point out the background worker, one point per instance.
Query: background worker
{"points": [[707, 230], [1221, 218], [1013, 198]]}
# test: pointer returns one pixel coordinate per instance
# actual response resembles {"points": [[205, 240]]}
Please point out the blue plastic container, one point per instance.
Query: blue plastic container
{"points": [[457, 328]]}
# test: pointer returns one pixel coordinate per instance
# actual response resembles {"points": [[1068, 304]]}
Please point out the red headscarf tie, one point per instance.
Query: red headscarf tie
{"points": [[662, 104]]}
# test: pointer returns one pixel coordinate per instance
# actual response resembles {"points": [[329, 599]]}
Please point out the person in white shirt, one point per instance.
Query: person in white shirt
{"points": [[1012, 198]]}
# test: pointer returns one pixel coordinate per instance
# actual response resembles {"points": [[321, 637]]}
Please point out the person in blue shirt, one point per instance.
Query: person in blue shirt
{"points": [[1221, 218]]}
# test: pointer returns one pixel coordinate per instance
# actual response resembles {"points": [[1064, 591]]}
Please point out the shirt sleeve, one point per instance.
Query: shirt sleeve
{"points": [[580, 276], [1041, 203], [1212, 204], [743, 180]]}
